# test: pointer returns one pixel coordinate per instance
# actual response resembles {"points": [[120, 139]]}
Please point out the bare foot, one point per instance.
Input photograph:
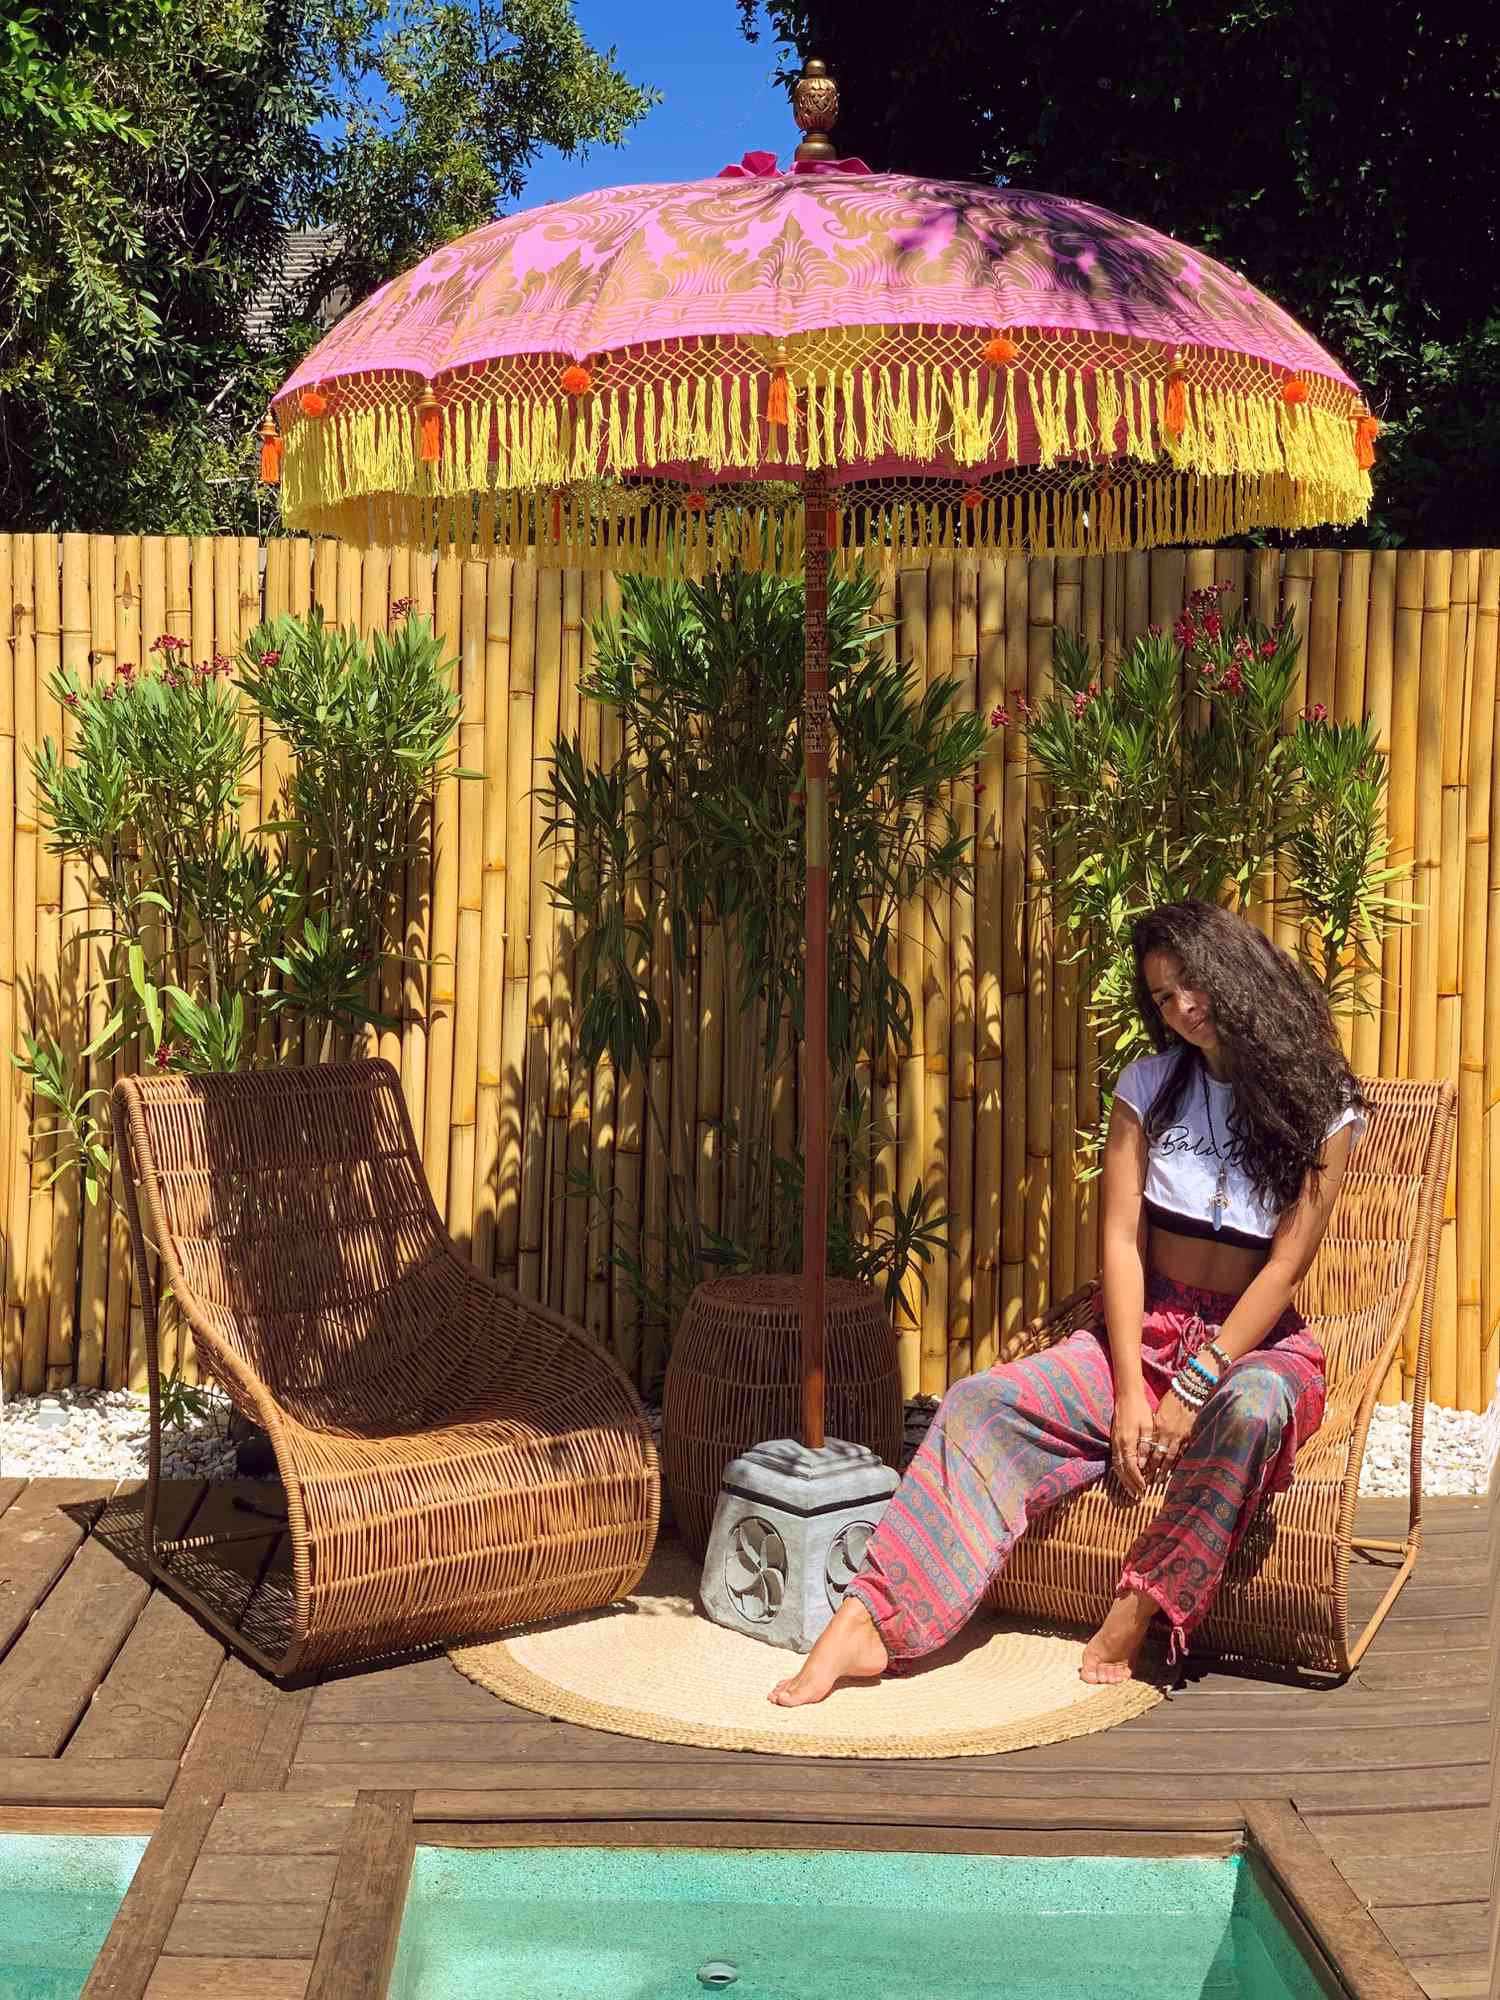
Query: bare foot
{"points": [[1109, 1657], [849, 1648]]}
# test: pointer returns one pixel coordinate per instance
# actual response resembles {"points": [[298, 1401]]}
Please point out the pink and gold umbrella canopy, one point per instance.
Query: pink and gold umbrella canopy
{"points": [[775, 369], [653, 368]]}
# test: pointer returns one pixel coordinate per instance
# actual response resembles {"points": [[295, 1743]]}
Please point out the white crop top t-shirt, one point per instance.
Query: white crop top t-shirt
{"points": [[1183, 1174]]}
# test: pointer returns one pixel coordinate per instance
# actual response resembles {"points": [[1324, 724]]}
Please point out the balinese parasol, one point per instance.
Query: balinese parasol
{"points": [[771, 368]]}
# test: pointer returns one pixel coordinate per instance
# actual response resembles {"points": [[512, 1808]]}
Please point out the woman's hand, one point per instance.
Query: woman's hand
{"points": [[1172, 1429], [1130, 1435]]}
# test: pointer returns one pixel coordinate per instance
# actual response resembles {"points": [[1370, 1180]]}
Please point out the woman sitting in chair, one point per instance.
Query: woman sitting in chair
{"points": [[1225, 1154]]}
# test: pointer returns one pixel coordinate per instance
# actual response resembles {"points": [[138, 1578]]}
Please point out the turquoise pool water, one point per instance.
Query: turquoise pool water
{"points": [[638, 1924], [58, 1897]]}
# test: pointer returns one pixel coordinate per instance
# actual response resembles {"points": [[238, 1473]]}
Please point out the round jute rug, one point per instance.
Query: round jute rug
{"points": [[654, 1666]]}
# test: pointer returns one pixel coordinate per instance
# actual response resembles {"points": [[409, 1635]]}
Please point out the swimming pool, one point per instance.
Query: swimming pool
{"points": [[58, 1897], [652, 1924]]}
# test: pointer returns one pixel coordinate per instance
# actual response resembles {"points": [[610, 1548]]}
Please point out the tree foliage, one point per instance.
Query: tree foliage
{"points": [[1345, 157], [152, 155]]}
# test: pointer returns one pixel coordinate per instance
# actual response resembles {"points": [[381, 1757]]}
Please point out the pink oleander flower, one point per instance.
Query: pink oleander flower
{"points": [[107, 692], [1185, 631], [1000, 717], [1153, 631], [270, 659], [401, 605], [125, 671], [1268, 649], [1317, 713], [1213, 624], [163, 1056], [169, 643], [70, 700], [1233, 681]]}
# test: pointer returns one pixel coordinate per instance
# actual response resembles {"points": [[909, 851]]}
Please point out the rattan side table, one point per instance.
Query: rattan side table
{"points": [[734, 1380]]}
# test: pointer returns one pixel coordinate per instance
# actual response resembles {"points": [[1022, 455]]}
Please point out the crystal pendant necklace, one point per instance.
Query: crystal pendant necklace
{"points": [[1221, 1186]]}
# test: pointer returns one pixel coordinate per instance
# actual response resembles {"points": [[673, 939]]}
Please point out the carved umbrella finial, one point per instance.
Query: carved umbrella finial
{"points": [[815, 106]]}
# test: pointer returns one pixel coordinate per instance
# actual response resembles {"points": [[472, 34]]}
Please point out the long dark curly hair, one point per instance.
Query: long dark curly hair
{"points": [[1282, 1054]]}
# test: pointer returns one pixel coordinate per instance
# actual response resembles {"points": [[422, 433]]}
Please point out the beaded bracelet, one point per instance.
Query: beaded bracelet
{"points": [[1219, 1355], [1186, 1390], [1210, 1381]]}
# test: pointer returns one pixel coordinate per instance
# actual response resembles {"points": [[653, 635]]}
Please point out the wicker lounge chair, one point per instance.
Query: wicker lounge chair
{"points": [[1285, 1597], [455, 1457]]}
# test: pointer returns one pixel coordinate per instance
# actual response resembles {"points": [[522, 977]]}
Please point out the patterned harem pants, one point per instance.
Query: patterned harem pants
{"points": [[1013, 1441]]}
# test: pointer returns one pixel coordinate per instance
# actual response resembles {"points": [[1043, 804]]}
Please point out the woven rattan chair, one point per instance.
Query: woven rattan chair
{"points": [[455, 1457], [1285, 1596]]}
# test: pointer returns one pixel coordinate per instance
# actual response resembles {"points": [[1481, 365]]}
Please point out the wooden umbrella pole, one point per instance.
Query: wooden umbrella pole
{"points": [[815, 496]]}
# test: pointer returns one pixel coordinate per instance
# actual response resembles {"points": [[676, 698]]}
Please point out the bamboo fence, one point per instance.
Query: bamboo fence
{"points": [[982, 1108]]}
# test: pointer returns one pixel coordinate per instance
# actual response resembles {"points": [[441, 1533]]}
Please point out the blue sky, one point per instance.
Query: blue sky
{"points": [[718, 100]]}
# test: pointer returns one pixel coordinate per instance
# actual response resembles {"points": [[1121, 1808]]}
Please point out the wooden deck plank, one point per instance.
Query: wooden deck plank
{"points": [[39, 1534], [154, 1693], [1441, 1930], [105, 1781], [48, 1677], [1255, 1748], [1400, 1834], [252, 1823], [229, 1979], [1415, 1880], [262, 1878], [358, 1945], [10, 1489], [243, 1930]]}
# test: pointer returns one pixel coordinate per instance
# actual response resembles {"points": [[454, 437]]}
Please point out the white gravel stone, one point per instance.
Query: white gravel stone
{"points": [[102, 1434]]}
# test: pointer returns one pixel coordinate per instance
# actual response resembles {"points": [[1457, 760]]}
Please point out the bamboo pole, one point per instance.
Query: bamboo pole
{"points": [[1138, 613], [1067, 616], [988, 1044], [571, 1082], [962, 1027], [123, 1368], [1040, 618], [1013, 1161], [912, 1149], [1406, 677], [274, 759], [471, 995], [489, 1051], [513, 1027], [937, 992], [1450, 918], [10, 1330], [93, 995], [544, 715], [1488, 636], [601, 741], [416, 975], [1321, 651], [153, 586], [444, 920], [1376, 1035], [26, 1331], [1296, 597], [199, 607], [884, 1107], [1472, 1225]]}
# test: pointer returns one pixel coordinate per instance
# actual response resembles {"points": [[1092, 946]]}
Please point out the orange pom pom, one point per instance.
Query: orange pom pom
{"points": [[779, 400], [1366, 430], [270, 453], [576, 379], [1294, 390], [973, 499], [694, 502], [1000, 350], [430, 428], [312, 402], [1175, 414]]}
